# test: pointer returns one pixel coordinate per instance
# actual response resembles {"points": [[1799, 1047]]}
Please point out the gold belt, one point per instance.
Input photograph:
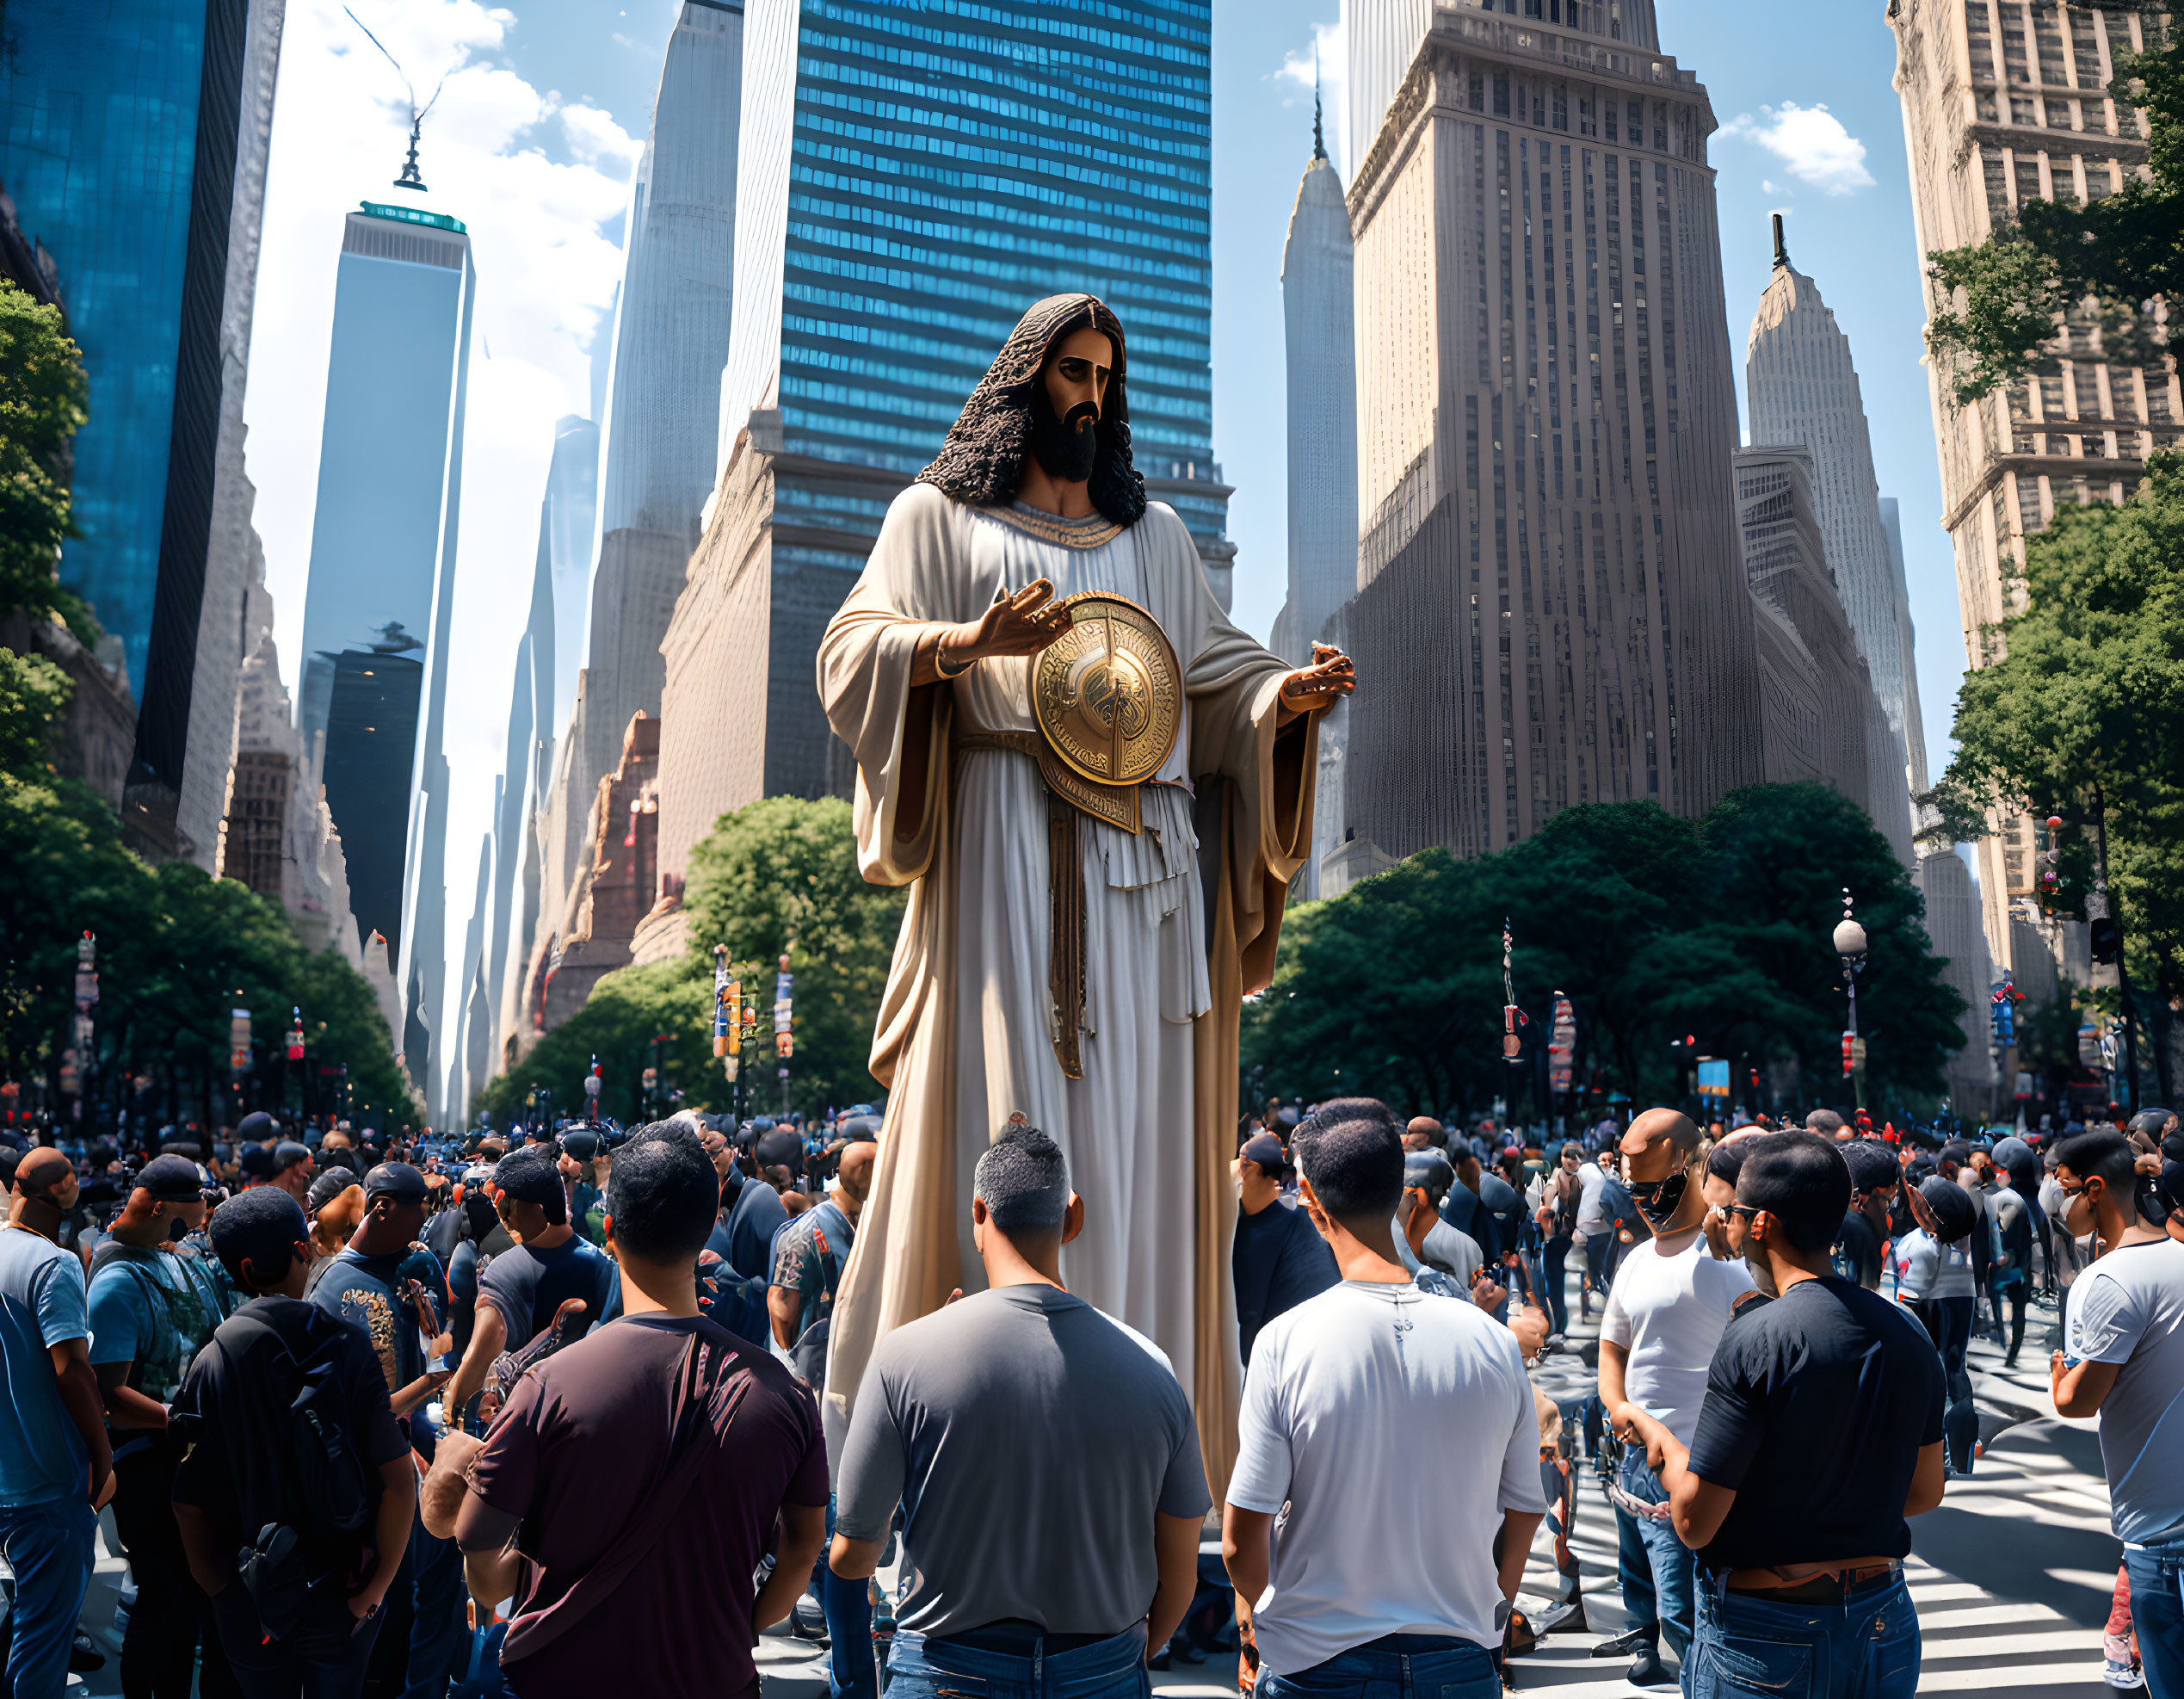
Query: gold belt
{"points": [[1069, 798]]}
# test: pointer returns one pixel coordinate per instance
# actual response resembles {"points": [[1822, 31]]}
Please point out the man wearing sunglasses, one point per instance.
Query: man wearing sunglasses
{"points": [[2123, 1361], [1665, 1314], [1819, 1436]]}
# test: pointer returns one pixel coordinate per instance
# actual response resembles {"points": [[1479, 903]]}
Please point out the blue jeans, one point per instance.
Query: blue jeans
{"points": [[1634, 1571], [922, 1667], [1675, 1565], [1395, 1666], [1865, 1647], [1551, 1277], [846, 1606], [2157, 1613], [50, 1546]]}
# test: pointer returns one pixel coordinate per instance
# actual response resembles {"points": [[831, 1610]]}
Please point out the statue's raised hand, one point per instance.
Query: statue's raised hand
{"points": [[1022, 622], [1318, 686]]}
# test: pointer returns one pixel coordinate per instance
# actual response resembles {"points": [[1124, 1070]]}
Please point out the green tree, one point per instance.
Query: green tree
{"points": [[1997, 301], [782, 875], [1655, 928], [44, 401], [624, 1013], [34, 694], [2090, 698]]}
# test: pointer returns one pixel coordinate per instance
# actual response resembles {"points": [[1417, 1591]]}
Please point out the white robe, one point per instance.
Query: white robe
{"points": [[965, 1031]]}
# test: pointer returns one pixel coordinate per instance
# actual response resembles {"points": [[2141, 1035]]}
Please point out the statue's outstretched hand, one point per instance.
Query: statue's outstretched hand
{"points": [[1330, 677], [1022, 622]]}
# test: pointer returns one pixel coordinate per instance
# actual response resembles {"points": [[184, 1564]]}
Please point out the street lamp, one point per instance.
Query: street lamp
{"points": [[1850, 950]]}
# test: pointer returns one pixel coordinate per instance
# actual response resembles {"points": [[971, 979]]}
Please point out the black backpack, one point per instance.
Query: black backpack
{"points": [[333, 1503]]}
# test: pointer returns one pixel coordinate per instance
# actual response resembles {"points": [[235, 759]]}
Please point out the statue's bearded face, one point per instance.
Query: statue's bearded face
{"points": [[1065, 407]]}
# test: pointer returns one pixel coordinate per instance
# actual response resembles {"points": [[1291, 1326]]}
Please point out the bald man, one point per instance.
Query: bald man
{"points": [[56, 1467], [1423, 1133], [1665, 1314]]}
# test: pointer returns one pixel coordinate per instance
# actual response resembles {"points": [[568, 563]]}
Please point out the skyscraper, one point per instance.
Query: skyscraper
{"points": [[887, 243], [383, 549], [134, 149], [671, 334], [1820, 720], [1913, 716], [1551, 609], [1319, 328], [2005, 101], [568, 523], [1802, 387], [1319, 325]]}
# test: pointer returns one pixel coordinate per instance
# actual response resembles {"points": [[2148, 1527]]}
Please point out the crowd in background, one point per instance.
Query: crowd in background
{"points": [[479, 1415]]}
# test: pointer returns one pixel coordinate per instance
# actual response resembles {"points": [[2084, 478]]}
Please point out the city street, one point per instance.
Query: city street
{"points": [[2011, 1574]]}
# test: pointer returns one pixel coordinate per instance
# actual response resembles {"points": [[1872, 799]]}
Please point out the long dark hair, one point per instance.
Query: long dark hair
{"points": [[982, 462]]}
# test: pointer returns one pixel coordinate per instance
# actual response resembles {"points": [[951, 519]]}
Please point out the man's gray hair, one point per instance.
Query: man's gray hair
{"points": [[1025, 1181], [1826, 1122]]}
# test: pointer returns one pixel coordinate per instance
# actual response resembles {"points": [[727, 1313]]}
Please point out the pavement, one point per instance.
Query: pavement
{"points": [[2011, 1574]]}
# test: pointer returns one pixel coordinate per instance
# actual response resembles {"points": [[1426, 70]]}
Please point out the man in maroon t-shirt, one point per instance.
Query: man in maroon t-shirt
{"points": [[643, 1469]]}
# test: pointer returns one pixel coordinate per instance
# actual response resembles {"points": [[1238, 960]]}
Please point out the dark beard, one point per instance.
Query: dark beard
{"points": [[1059, 446]]}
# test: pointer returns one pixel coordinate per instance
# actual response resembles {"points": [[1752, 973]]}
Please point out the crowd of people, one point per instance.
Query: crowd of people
{"points": [[481, 1415]]}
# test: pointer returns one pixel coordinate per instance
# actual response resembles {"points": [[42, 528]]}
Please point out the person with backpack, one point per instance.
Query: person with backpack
{"points": [[150, 1311], [292, 1461], [649, 1467]]}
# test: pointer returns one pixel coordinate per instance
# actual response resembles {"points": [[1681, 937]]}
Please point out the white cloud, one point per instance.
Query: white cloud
{"points": [[1322, 60], [545, 277], [1811, 144]]}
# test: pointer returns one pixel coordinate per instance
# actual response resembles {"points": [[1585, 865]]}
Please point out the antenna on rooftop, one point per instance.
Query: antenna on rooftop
{"points": [[1319, 141], [409, 179], [1781, 252]]}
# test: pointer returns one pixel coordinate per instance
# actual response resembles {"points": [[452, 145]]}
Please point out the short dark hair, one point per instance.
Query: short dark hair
{"points": [[1872, 1165], [529, 1175], [1956, 1151], [1801, 1180], [1726, 1161], [1025, 1180], [261, 1226], [2103, 1151], [1954, 1213], [1351, 1150], [663, 1194]]}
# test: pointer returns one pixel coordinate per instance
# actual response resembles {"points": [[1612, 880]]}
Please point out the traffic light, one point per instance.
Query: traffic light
{"points": [[1850, 1052]]}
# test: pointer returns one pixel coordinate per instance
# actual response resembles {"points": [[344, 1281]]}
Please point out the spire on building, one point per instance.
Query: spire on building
{"points": [[1782, 250], [1319, 138], [409, 179]]}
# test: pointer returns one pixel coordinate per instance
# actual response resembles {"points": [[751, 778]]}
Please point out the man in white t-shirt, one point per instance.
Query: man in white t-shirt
{"points": [[1381, 1579], [2122, 1360], [1665, 1314]]}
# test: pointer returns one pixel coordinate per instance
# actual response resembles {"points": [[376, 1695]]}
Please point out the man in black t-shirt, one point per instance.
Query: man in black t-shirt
{"points": [[236, 1475], [1277, 1260], [1820, 1435], [524, 1288]]}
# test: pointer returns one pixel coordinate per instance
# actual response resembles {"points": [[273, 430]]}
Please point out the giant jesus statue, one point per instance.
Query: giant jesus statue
{"points": [[1098, 807]]}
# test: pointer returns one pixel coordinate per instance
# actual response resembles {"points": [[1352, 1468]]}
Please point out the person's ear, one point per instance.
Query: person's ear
{"points": [[981, 1219], [1073, 1218], [1309, 1200]]}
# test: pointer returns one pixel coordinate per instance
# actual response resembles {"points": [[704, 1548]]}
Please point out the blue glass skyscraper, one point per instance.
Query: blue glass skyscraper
{"points": [[119, 135], [913, 178]]}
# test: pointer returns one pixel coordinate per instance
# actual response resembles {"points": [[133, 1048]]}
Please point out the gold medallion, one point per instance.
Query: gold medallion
{"points": [[1108, 695]]}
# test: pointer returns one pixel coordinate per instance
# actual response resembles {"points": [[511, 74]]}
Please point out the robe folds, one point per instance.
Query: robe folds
{"points": [[1175, 932]]}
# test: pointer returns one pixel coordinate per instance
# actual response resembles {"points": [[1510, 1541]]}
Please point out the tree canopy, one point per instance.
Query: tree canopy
{"points": [[1998, 300], [1657, 928], [44, 402], [2089, 697], [778, 875]]}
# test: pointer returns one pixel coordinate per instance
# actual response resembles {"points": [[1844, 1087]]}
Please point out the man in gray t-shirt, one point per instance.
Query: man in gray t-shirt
{"points": [[1044, 1455]]}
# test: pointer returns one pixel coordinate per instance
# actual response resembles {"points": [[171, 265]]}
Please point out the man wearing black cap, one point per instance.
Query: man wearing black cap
{"points": [[581, 1151], [1277, 1260], [150, 1311], [523, 1289], [236, 1476], [378, 1280]]}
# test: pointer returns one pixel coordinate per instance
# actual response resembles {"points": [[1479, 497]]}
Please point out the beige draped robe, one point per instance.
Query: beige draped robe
{"points": [[964, 1033]]}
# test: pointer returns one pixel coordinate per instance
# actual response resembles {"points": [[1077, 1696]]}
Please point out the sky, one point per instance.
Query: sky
{"points": [[542, 110]]}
